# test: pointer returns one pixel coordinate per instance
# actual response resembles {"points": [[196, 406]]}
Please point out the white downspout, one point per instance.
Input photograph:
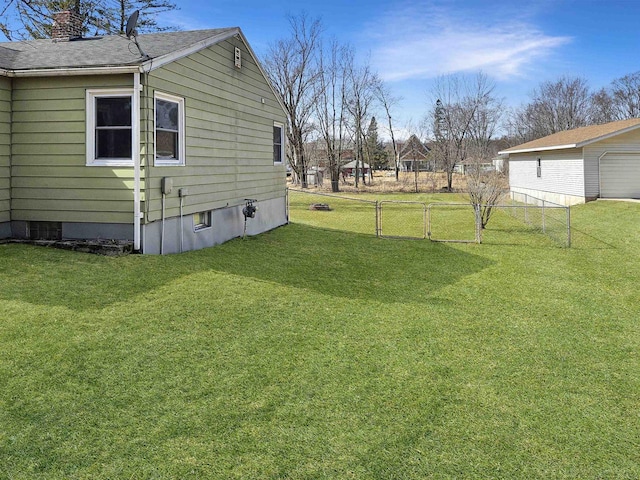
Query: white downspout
{"points": [[135, 140]]}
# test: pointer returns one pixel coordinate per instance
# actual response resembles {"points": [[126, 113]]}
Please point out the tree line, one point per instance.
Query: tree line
{"points": [[568, 103], [330, 98]]}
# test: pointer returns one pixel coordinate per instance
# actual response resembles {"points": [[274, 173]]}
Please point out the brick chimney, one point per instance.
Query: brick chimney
{"points": [[67, 25]]}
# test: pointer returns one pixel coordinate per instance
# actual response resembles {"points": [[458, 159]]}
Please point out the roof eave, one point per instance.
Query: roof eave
{"points": [[71, 71], [575, 145], [157, 62], [538, 149]]}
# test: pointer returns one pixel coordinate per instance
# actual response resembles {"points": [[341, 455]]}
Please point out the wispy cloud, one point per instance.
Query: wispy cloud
{"points": [[425, 42], [183, 21]]}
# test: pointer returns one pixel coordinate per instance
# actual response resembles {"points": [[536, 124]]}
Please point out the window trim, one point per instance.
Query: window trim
{"points": [[181, 160], [198, 227], [91, 97], [282, 144]]}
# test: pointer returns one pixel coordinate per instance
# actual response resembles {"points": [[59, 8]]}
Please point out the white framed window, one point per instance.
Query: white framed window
{"points": [[169, 133], [201, 220], [278, 143], [109, 127]]}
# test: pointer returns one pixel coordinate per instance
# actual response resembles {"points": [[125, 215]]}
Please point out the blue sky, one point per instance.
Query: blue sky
{"points": [[516, 43]]}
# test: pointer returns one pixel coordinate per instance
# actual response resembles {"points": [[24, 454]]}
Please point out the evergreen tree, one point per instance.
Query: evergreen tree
{"points": [[376, 153], [28, 19]]}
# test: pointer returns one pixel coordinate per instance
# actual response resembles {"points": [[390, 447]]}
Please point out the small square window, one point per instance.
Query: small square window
{"points": [[201, 220]]}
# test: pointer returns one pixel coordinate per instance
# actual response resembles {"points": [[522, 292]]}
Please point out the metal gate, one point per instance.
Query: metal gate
{"points": [[399, 219]]}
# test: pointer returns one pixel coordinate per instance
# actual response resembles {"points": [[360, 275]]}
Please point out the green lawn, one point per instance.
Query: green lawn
{"points": [[309, 352]]}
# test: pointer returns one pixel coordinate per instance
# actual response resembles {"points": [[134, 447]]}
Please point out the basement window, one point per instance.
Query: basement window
{"points": [[109, 127], [45, 230], [201, 220]]}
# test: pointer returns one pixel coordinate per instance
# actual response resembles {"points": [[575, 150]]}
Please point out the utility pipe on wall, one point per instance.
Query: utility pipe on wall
{"points": [[135, 141], [181, 223], [164, 195]]}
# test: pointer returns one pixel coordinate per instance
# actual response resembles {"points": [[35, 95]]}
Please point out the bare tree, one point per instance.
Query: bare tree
{"points": [[459, 100], [485, 190], [22, 19], [619, 101], [388, 102], [602, 108], [485, 187], [625, 93], [292, 67], [330, 106], [555, 106], [361, 84]]}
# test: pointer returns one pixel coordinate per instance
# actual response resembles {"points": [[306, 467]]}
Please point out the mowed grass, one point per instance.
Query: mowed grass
{"points": [[308, 352]]}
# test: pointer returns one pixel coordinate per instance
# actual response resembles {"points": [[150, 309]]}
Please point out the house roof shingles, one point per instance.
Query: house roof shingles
{"points": [[578, 137], [105, 51]]}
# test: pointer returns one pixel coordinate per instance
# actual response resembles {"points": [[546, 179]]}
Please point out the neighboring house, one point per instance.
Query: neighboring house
{"points": [[349, 169], [415, 154], [98, 141], [470, 166], [576, 166]]}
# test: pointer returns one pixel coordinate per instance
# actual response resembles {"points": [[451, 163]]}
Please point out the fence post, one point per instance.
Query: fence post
{"points": [[544, 229], [526, 212], [568, 226], [378, 219], [424, 221], [478, 216]]}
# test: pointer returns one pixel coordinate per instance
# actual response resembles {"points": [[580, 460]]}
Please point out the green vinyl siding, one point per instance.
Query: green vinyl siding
{"points": [[50, 178], [229, 132], [5, 150]]}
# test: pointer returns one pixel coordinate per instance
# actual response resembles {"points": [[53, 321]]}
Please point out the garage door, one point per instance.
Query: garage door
{"points": [[620, 176]]}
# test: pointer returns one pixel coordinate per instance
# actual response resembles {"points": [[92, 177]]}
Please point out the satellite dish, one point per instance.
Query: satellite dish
{"points": [[132, 23], [131, 32]]}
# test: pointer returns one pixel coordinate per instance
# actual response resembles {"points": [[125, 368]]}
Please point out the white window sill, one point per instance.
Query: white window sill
{"points": [[111, 163], [168, 163]]}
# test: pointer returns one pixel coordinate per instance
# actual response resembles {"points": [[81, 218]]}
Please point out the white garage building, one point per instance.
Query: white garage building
{"points": [[576, 166]]}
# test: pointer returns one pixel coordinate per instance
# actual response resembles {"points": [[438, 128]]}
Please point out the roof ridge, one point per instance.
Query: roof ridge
{"points": [[576, 137]]}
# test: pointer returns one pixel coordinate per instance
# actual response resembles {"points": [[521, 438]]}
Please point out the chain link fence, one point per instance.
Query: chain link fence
{"points": [[543, 216], [437, 221], [335, 212], [400, 219]]}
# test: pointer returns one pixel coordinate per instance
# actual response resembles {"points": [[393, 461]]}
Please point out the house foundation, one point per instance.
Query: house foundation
{"points": [[182, 235]]}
